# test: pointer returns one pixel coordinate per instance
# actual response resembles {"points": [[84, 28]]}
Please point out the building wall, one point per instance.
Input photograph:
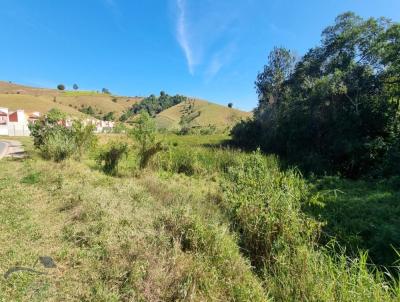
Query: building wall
{"points": [[17, 129], [3, 121], [3, 130]]}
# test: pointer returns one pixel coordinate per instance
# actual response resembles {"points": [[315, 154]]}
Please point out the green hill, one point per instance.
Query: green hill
{"points": [[199, 113]]}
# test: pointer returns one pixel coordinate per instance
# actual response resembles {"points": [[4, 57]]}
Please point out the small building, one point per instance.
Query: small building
{"points": [[18, 124], [33, 116], [3, 121]]}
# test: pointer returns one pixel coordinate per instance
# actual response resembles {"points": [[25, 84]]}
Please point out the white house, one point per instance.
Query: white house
{"points": [[3, 121], [18, 124]]}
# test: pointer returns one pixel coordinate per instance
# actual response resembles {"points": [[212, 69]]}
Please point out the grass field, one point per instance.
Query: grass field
{"points": [[201, 224]]}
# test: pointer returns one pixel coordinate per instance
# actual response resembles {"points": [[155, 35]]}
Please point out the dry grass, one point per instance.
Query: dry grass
{"points": [[36, 99], [210, 114], [112, 239]]}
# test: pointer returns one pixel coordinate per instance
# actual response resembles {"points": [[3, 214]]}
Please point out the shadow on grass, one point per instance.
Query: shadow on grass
{"points": [[361, 214]]}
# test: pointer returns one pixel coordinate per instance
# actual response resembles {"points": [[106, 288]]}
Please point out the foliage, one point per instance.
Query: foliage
{"points": [[337, 108], [57, 142], [88, 110], [264, 204], [60, 87], [105, 91], [168, 237], [110, 155], [154, 105], [109, 116], [120, 128], [84, 137], [230, 105], [144, 133], [75, 86]]}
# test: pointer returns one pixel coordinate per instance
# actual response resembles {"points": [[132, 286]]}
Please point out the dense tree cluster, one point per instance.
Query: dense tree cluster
{"points": [[337, 107], [154, 105]]}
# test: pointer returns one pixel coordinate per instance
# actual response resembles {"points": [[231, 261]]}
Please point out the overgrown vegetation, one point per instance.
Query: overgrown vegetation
{"points": [[336, 108], [110, 155], [186, 230], [208, 223], [144, 132], [57, 142]]}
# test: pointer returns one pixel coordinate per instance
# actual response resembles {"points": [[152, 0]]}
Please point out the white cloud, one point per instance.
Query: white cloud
{"points": [[219, 59], [183, 38], [207, 32]]}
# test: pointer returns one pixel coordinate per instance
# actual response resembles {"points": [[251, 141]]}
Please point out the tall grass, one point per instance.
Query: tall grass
{"points": [[264, 205], [220, 225]]}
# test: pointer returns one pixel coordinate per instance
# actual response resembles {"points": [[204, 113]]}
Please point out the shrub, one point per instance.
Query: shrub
{"points": [[61, 87], [110, 155], [58, 144], [144, 133], [84, 137]]}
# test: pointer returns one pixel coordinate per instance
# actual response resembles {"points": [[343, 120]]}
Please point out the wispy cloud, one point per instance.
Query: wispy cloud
{"points": [[183, 38], [219, 59], [205, 31]]}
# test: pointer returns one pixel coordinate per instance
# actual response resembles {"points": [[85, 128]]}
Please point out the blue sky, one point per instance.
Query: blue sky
{"points": [[211, 49]]}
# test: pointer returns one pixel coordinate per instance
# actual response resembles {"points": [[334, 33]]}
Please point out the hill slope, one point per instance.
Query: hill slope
{"points": [[15, 96], [196, 113], [199, 113]]}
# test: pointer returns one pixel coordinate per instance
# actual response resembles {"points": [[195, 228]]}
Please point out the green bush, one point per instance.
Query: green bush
{"points": [[58, 142], [144, 132], [110, 155], [84, 137]]}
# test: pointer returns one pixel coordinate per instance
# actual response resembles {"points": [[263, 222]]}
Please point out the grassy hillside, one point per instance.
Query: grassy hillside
{"points": [[15, 96], [200, 113]]}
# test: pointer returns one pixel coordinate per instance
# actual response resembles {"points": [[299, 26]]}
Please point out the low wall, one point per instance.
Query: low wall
{"points": [[3, 130], [18, 130]]}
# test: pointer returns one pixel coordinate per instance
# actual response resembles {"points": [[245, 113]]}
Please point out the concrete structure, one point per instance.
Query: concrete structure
{"points": [[16, 123], [3, 121]]}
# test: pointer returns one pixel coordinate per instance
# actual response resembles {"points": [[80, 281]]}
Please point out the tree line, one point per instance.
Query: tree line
{"points": [[337, 107]]}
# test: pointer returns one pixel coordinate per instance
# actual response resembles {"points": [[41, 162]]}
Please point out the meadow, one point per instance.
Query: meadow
{"points": [[202, 222]]}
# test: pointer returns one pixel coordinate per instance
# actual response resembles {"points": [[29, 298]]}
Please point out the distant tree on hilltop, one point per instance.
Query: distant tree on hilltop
{"points": [[230, 105], [105, 91], [76, 87], [60, 87]]}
